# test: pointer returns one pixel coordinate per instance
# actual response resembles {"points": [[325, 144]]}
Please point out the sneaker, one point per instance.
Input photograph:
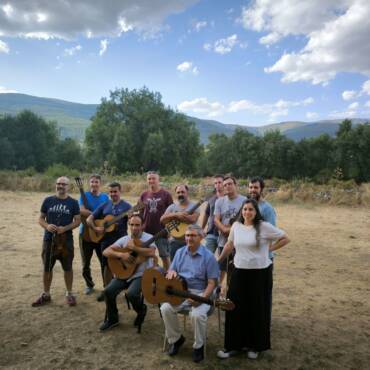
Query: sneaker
{"points": [[198, 354], [226, 354], [106, 325], [71, 300], [100, 297], [89, 290], [252, 355], [42, 300], [174, 347]]}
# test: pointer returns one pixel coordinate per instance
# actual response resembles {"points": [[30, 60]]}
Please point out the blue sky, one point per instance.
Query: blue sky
{"points": [[241, 62]]}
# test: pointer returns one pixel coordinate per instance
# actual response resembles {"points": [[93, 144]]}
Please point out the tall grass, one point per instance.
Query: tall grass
{"points": [[277, 191]]}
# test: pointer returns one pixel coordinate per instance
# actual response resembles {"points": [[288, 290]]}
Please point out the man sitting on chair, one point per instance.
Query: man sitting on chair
{"points": [[197, 265], [133, 284]]}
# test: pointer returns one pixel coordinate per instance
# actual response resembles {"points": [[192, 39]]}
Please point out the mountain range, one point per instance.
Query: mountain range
{"points": [[74, 118]]}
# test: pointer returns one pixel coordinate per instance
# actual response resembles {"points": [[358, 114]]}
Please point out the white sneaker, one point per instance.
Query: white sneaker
{"points": [[226, 354], [252, 355]]}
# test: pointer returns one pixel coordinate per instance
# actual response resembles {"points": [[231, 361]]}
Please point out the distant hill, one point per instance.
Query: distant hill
{"points": [[74, 118]]}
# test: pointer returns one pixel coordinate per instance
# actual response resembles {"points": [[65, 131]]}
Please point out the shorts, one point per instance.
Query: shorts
{"points": [[223, 265], [163, 247], [211, 242], [50, 258]]}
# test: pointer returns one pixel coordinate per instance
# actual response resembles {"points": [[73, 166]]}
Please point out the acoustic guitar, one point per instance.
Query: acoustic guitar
{"points": [[109, 222], [178, 228], [59, 245], [157, 289], [124, 269], [85, 202]]}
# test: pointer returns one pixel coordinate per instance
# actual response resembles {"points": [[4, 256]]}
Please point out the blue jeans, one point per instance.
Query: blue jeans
{"points": [[211, 242]]}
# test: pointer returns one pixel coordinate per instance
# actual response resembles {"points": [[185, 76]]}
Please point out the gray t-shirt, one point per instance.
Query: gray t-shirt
{"points": [[174, 208], [227, 209]]}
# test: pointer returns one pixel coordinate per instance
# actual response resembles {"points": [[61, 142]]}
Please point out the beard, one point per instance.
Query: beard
{"points": [[181, 198]]}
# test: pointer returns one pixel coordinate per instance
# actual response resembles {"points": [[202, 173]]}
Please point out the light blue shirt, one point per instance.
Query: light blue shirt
{"points": [[196, 268], [269, 215]]}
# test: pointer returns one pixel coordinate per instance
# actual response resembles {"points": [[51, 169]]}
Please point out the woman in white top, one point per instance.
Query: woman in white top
{"points": [[248, 325]]}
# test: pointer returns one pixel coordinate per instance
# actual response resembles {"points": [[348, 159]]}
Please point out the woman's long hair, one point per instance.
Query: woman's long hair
{"points": [[257, 218]]}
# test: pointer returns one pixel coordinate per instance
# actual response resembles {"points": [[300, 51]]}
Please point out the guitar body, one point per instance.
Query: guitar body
{"points": [[154, 286], [86, 233], [122, 269], [96, 238], [178, 232]]}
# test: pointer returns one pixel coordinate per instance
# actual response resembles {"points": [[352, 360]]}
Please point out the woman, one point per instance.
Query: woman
{"points": [[248, 325]]}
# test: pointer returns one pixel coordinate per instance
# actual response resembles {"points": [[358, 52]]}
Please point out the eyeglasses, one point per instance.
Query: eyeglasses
{"points": [[61, 184]]}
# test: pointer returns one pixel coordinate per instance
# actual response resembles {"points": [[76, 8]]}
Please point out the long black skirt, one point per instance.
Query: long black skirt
{"points": [[248, 325]]}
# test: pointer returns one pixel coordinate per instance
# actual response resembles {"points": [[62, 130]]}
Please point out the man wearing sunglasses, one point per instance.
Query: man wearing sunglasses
{"points": [[59, 215]]}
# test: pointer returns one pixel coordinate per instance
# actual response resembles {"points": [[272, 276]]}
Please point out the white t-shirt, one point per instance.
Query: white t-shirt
{"points": [[122, 242], [247, 254]]}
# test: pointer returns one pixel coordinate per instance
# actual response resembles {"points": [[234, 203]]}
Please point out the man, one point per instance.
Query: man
{"points": [[115, 206], [59, 215], [226, 209], [197, 265], [94, 199], [156, 201], [212, 231], [133, 284], [179, 212]]}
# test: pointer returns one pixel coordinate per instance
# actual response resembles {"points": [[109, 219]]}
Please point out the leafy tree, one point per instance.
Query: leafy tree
{"points": [[70, 154], [134, 131]]}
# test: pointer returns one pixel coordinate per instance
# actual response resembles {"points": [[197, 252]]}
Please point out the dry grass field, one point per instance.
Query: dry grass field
{"points": [[321, 309]]}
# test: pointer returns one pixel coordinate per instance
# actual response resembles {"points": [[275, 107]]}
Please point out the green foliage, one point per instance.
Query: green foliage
{"points": [[59, 169], [69, 153], [134, 131]]}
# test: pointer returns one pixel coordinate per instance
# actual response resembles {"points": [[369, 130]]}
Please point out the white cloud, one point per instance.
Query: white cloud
{"points": [[199, 25], [353, 106], [349, 94], [68, 19], [203, 106], [311, 115], [4, 90], [4, 48], [103, 46], [188, 67], [367, 104], [366, 87], [337, 33], [72, 51], [212, 109], [224, 46]]}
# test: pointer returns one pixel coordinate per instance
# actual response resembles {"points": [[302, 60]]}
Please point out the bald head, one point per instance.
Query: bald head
{"points": [[62, 185]]}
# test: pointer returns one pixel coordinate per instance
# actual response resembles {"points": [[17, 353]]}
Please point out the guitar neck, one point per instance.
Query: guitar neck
{"points": [[160, 234], [185, 294], [195, 207], [116, 218], [85, 202]]}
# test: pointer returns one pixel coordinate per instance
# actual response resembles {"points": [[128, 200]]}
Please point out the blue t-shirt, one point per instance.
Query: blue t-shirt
{"points": [[108, 208], [196, 268], [94, 201], [59, 212], [269, 215]]}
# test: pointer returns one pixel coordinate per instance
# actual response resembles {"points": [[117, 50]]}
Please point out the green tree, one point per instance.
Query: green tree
{"points": [[70, 154]]}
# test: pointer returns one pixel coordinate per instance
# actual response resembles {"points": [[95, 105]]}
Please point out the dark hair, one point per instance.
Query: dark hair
{"points": [[152, 172], [115, 184], [136, 214], [184, 185], [230, 177], [258, 179], [257, 218], [95, 176], [219, 177]]}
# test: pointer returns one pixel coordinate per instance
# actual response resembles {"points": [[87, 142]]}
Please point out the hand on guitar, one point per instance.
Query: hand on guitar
{"points": [[61, 229], [131, 245], [171, 274], [193, 303], [51, 228], [99, 229]]}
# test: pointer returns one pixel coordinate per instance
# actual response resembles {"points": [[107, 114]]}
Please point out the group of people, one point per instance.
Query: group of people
{"points": [[236, 239]]}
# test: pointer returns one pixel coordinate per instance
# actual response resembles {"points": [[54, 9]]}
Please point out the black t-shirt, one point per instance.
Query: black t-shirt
{"points": [[59, 212]]}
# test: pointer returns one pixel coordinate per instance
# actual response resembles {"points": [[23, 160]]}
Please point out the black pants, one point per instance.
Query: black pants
{"points": [[87, 249], [133, 293], [248, 325]]}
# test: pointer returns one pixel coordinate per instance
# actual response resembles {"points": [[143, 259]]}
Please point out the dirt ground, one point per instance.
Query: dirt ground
{"points": [[321, 308]]}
